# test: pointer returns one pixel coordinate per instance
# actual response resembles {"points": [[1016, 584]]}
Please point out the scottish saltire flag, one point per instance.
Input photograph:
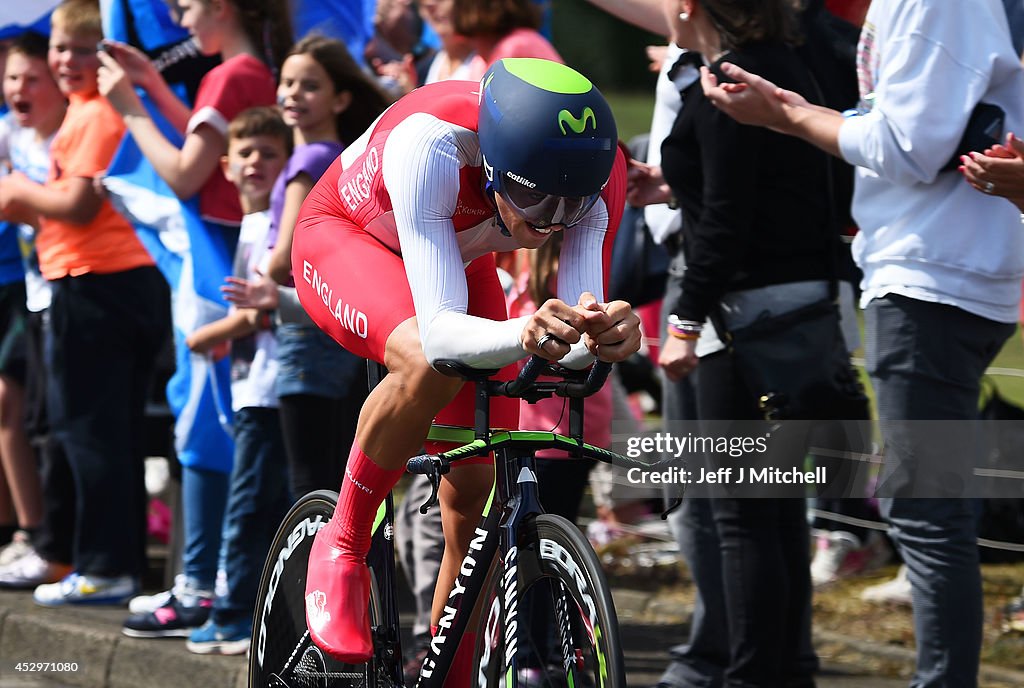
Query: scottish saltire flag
{"points": [[192, 256], [18, 15], [194, 264]]}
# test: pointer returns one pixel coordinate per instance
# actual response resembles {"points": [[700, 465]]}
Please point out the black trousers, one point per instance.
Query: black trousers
{"points": [[764, 549], [105, 333]]}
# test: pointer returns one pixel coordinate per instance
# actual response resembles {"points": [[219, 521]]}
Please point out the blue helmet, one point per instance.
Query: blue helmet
{"points": [[547, 137]]}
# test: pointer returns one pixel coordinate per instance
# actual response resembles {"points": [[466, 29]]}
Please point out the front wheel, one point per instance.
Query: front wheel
{"points": [[282, 654], [554, 617]]}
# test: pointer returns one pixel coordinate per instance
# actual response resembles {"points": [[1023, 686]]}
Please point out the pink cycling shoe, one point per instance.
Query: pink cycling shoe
{"points": [[337, 601]]}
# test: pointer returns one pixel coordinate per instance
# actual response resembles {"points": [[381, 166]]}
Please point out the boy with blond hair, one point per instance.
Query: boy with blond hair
{"points": [[108, 319]]}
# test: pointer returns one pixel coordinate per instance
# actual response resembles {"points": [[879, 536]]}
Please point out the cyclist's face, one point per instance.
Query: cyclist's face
{"points": [[524, 234]]}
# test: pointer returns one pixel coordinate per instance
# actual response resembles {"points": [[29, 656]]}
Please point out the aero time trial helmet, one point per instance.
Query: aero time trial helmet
{"points": [[547, 137]]}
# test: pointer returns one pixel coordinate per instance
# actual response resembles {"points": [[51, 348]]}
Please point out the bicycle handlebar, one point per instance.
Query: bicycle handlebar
{"points": [[567, 387], [527, 376], [426, 464]]}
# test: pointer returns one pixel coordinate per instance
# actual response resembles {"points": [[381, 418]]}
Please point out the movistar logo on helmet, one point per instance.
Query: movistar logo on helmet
{"points": [[522, 180], [577, 124]]}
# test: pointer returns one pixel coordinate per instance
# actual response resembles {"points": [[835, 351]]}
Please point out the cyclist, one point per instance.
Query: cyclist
{"points": [[393, 258]]}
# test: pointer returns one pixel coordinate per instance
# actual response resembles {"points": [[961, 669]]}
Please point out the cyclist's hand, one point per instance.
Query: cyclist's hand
{"points": [[595, 316], [616, 335], [555, 318]]}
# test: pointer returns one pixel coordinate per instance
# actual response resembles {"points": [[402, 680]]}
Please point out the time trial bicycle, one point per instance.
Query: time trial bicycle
{"points": [[541, 599]]}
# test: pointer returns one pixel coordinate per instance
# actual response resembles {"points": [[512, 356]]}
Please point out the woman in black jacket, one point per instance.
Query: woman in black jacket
{"points": [[757, 240]]}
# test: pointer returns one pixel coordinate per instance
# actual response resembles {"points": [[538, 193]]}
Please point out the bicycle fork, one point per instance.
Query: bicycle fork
{"points": [[521, 503]]}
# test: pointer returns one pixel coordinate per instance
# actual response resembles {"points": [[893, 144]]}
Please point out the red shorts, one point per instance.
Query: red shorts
{"points": [[355, 289]]}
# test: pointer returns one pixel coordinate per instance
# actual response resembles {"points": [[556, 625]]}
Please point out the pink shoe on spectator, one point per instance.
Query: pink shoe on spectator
{"points": [[840, 555]]}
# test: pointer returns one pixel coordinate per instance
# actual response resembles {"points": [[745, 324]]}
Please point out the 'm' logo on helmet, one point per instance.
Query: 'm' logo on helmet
{"points": [[576, 124]]}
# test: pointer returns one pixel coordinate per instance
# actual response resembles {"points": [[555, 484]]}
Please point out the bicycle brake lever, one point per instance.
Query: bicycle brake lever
{"points": [[435, 481]]}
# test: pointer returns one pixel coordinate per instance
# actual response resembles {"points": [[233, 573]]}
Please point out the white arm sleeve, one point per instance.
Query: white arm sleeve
{"points": [[581, 269], [421, 171]]}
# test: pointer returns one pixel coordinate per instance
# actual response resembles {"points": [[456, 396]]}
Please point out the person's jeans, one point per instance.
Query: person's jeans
{"points": [[258, 500], [705, 660], [204, 496], [926, 361], [319, 385], [701, 662]]}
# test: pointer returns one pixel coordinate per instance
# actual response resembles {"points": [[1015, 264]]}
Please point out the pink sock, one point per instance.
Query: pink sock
{"points": [[363, 488]]}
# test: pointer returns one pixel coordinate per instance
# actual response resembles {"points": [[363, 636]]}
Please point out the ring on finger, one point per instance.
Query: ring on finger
{"points": [[989, 187], [545, 338]]}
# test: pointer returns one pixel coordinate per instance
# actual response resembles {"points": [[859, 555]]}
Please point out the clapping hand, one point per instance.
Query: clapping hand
{"points": [[752, 100], [998, 171]]}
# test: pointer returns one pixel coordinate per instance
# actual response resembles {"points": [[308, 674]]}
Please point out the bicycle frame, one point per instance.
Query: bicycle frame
{"points": [[513, 500]]}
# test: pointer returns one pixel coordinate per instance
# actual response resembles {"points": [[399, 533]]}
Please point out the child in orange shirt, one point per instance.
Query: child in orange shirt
{"points": [[108, 319]]}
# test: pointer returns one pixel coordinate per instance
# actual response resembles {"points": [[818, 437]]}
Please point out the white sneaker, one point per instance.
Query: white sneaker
{"points": [[31, 570], [18, 547], [77, 588], [147, 604], [895, 591]]}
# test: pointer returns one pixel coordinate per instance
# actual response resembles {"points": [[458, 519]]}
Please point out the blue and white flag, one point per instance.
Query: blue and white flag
{"points": [[194, 264], [17, 16], [190, 254]]}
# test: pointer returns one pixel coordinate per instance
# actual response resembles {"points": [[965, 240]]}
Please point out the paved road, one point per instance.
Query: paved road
{"points": [[92, 636]]}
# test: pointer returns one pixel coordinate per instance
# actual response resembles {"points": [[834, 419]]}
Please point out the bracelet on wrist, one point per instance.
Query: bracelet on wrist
{"points": [[688, 326], [681, 334]]}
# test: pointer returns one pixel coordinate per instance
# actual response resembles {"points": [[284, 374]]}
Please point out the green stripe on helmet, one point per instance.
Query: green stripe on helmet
{"points": [[548, 75]]}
